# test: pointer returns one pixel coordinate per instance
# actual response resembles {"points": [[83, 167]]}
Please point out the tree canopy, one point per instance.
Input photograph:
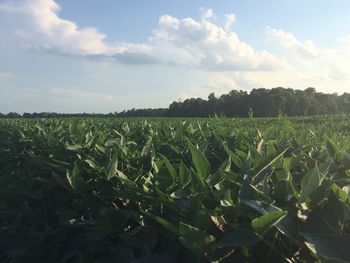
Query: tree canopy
{"points": [[237, 103]]}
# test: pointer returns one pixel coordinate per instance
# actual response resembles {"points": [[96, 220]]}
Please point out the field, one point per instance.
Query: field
{"points": [[175, 190]]}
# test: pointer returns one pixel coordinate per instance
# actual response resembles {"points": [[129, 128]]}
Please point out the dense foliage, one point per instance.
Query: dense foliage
{"points": [[263, 103], [260, 102], [162, 190]]}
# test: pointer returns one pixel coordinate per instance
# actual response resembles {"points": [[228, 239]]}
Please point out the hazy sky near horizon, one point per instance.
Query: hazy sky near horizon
{"points": [[110, 55]]}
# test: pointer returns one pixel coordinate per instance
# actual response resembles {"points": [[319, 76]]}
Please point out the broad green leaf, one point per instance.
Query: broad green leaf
{"points": [[265, 163], [332, 148], [309, 183], [200, 162], [285, 226], [263, 223], [319, 194], [341, 194], [162, 195], [196, 180], [196, 239], [112, 168], [235, 158], [329, 246], [131, 185], [171, 227], [170, 168], [93, 164], [75, 180]]}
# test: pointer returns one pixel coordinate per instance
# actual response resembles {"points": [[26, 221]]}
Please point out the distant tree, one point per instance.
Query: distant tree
{"points": [[310, 91], [13, 115], [27, 115], [237, 103], [264, 103]]}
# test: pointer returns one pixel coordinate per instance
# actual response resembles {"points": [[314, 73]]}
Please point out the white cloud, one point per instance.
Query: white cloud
{"points": [[174, 41], [332, 63], [230, 21], [344, 40], [41, 17], [206, 13], [210, 46], [303, 49], [187, 42]]}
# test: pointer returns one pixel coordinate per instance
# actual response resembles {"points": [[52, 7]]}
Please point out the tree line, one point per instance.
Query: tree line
{"points": [[259, 102], [237, 103]]}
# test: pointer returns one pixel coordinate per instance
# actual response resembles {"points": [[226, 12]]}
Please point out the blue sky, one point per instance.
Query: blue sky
{"points": [[105, 56]]}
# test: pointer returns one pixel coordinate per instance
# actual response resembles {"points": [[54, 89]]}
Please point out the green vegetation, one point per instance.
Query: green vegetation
{"points": [[171, 190], [261, 102]]}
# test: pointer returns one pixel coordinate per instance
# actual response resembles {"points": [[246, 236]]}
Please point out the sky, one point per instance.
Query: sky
{"points": [[110, 55]]}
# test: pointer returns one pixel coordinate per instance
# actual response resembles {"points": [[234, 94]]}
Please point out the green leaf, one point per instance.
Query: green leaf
{"points": [[171, 227], [196, 239], [74, 147], [341, 194], [112, 168], [63, 181], [265, 163], [249, 192], [319, 194], [200, 162], [286, 226], [332, 148], [75, 180], [227, 200], [309, 183], [234, 157], [93, 164], [170, 168], [329, 246], [263, 223]]}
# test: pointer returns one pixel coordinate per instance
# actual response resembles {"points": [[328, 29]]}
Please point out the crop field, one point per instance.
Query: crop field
{"points": [[175, 190]]}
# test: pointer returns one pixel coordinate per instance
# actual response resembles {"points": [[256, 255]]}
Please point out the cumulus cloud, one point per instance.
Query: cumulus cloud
{"points": [[41, 17], [210, 46], [187, 42], [303, 49]]}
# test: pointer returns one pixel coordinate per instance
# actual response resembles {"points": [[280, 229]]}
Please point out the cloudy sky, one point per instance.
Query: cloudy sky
{"points": [[110, 55]]}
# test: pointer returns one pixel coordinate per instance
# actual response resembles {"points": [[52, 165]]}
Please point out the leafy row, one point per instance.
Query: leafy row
{"points": [[102, 190]]}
